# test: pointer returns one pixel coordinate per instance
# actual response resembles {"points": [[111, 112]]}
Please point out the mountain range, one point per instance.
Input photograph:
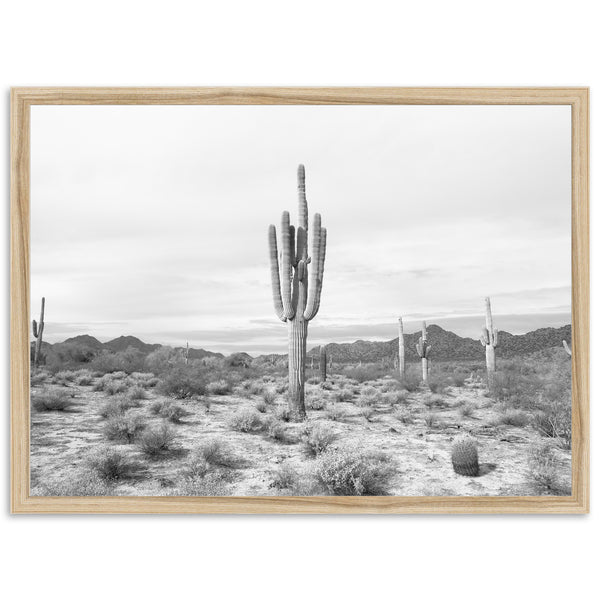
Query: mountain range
{"points": [[445, 346]]}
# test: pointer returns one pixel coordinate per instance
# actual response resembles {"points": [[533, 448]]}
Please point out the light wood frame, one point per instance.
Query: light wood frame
{"points": [[21, 101]]}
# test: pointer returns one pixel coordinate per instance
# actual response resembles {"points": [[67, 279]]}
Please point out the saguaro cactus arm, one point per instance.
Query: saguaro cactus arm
{"points": [[275, 281], [566, 347]]}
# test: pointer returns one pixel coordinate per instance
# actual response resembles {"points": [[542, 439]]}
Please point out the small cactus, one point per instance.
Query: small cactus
{"points": [[400, 347], [38, 330], [464, 456], [566, 347], [489, 340]]}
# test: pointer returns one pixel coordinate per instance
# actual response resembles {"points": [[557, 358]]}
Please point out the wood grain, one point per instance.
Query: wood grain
{"points": [[21, 101]]}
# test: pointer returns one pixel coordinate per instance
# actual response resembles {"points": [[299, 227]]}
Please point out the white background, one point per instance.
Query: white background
{"points": [[306, 43]]}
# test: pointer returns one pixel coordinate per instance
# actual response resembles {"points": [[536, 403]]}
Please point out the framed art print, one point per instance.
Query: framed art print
{"points": [[300, 300]]}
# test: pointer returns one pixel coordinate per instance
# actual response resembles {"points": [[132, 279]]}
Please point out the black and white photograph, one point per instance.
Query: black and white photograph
{"points": [[281, 300]]}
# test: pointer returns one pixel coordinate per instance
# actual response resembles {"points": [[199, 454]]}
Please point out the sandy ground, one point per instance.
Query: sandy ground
{"points": [[418, 453]]}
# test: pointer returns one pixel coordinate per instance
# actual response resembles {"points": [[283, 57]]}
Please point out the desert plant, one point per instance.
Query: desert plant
{"points": [[554, 420], [84, 380], [283, 413], [411, 381], [315, 402], [566, 347], [183, 382], [430, 419], [38, 378], [221, 387], [38, 331], [276, 430], [465, 460], [168, 410], [543, 469], [285, 477], [115, 387], [123, 427], [211, 484], [51, 401], [404, 416], [317, 438], [261, 406], [368, 413], [346, 472], [217, 453], [401, 364], [423, 350], [137, 392], [158, 441], [466, 410], [297, 289], [322, 363], [117, 405], [112, 464], [246, 420], [335, 412], [489, 340], [514, 417]]}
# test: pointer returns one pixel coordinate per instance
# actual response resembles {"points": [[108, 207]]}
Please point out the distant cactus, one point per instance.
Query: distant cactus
{"points": [[323, 363], [423, 350], [297, 289], [38, 330], [401, 367], [489, 340], [566, 347], [465, 460]]}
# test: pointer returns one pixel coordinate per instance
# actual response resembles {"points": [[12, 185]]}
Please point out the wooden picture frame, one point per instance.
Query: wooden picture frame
{"points": [[22, 99]]}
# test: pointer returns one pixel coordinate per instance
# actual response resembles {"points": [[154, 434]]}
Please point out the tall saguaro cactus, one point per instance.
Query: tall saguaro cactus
{"points": [[38, 330], [489, 340], [297, 288], [323, 363], [401, 367], [423, 349]]}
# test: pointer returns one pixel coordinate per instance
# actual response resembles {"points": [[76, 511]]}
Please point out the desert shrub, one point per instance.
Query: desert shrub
{"points": [[458, 379], [391, 385], [437, 383], [246, 420], [554, 420], [317, 438], [196, 466], [362, 374], [112, 464], [326, 385], [163, 359], [435, 402], [168, 410], [543, 470], [158, 441], [411, 381], [466, 410], [282, 412], [221, 387], [268, 396], [396, 397], [118, 405], [183, 382], [430, 419], [51, 401], [122, 427], [313, 380], [84, 380], [368, 413], [261, 406], [335, 412], [137, 392], [347, 472], [315, 402], [276, 430], [404, 416], [217, 453], [285, 477], [38, 378], [128, 360], [85, 482], [281, 388], [115, 387], [345, 395], [369, 392], [514, 417]]}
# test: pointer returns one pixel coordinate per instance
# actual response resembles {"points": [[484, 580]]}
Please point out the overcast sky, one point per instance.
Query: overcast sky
{"points": [[152, 220]]}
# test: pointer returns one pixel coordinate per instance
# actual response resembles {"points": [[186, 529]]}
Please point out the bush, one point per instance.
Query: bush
{"points": [[404, 416], [216, 453], [276, 430], [112, 464], [246, 420], [458, 379], [51, 401], [268, 396], [368, 413], [437, 384], [117, 406], [115, 387], [211, 484], [318, 437], [65, 377], [137, 392], [282, 412], [261, 406], [84, 380], [362, 374], [544, 470], [344, 395], [514, 417], [396, 397], [346, 472], [314, 402], [435, 402], [411, 381], [285, 477], [466, 410], [123, 427], [430, 420], [335, 412], [157, 442], [183, 382], [168, 410], [221, 387], [555, 421], [38, 378]]}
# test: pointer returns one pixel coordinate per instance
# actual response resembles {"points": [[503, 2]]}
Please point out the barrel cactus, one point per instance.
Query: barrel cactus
{"points": [[297, 282], [465, 459]]}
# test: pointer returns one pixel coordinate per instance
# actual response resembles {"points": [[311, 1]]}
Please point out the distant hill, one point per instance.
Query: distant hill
{"points": [[84, 340], [129, 341], [447, 346]]}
